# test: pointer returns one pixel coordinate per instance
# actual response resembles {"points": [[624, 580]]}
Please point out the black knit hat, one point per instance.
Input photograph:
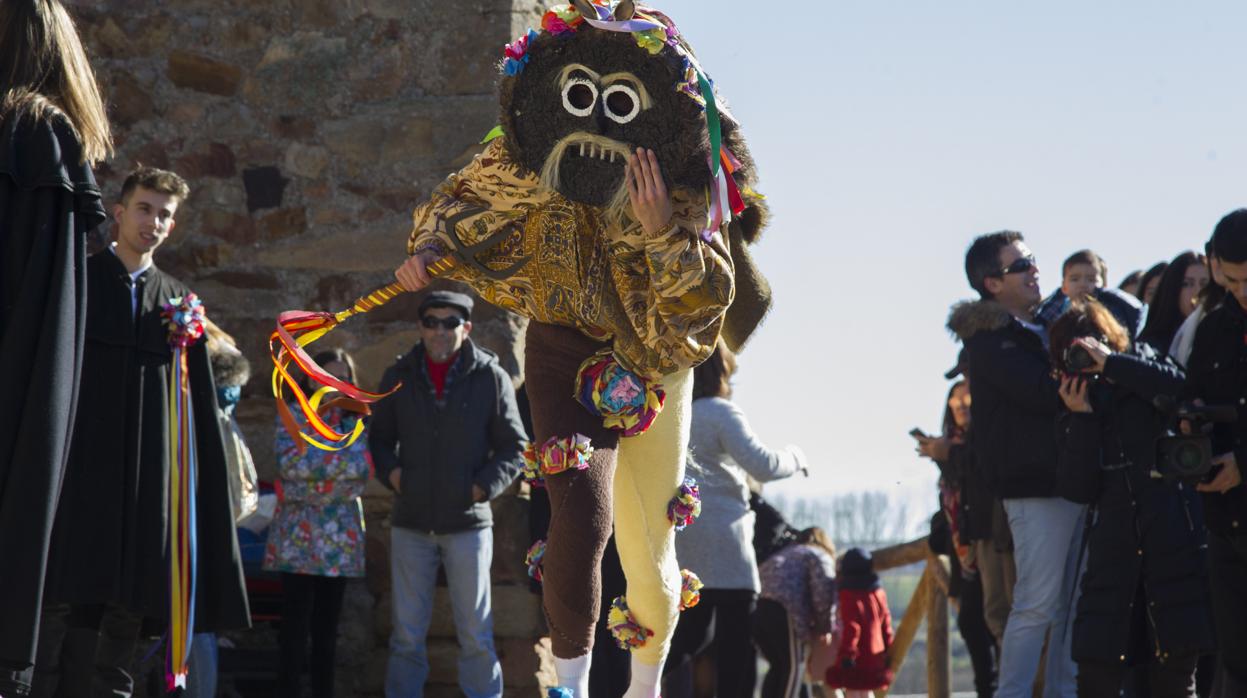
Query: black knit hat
{"points": [[857, 570], [447, 299]]}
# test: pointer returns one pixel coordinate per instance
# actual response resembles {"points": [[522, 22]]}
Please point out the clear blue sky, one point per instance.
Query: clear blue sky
{"points": [[889, 134]]}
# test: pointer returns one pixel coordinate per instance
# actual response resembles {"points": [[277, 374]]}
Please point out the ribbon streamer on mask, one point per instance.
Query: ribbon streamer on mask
{"points": [[296, 329]]}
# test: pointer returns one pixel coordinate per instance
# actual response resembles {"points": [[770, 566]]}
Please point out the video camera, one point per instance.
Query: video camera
{"points": [[1188, 457]]}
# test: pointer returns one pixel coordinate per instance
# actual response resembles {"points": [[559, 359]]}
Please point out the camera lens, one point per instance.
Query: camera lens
{"points": [[1188, 457]]}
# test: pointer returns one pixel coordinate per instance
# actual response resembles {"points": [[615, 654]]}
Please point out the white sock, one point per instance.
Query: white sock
{"points": [[646, 680], [574, 674]]}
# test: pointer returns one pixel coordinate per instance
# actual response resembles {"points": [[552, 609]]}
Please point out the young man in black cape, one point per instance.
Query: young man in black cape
{"points": [[108, 566]]}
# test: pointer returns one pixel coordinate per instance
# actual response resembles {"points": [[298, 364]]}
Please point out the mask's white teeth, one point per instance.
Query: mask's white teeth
{"points": [[582, 150], [612, 156]]}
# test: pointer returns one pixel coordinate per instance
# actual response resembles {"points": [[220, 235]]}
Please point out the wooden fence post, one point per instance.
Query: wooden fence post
{"points": [[939, 680]]}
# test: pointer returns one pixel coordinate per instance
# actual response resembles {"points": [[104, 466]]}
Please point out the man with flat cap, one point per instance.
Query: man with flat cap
{"points": [[447, 442]]}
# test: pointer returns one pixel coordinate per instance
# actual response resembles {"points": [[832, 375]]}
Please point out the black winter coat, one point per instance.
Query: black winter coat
{"points": [[1145, 589], [48, 203], [977, 501], [110, 543], [1014, 402], [1217, 374], [473, 436]]}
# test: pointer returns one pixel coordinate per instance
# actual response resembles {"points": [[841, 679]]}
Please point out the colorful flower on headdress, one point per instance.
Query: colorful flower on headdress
{"points": [[625, 401], [689, 85], [561, 19], [628, 633], [685, 505], [517, 54], [653, 40], [185, 318], [532, 465], [533, 559], [690, 590]]}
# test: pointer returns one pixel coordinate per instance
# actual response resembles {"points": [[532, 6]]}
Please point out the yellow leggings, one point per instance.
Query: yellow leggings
{"points": [[650, 470]]}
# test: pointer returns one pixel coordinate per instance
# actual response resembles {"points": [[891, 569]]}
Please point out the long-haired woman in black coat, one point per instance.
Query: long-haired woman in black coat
{"points": [[53, 127], [1145, 591]]}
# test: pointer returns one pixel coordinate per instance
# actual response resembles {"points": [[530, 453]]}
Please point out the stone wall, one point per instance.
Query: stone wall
{"points": [[308, 129]]}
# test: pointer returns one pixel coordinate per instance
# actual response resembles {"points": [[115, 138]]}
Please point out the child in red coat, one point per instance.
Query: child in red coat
{"points": [[862, 663]]}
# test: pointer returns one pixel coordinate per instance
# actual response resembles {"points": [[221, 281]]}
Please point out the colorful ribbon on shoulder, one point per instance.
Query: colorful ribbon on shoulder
{"points": [[184, 317], [296, 329]]}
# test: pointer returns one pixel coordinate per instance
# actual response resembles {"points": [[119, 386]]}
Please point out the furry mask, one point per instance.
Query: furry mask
{"points": [[577, 100]]}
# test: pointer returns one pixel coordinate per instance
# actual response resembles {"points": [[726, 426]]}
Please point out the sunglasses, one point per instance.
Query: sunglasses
{"points": [[1019, 266], [446, 323]]}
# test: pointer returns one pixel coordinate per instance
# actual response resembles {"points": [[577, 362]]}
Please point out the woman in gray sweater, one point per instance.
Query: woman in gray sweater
{"points": [[718, 546]]}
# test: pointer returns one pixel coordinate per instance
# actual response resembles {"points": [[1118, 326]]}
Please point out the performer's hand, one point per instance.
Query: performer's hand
{"points": [[651, 203], [396, 476], [414, 273], [478, 494]]}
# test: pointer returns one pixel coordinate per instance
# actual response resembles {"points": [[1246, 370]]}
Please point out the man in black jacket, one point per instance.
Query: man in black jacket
{"points": [[1217, 375], [447, 442], [1014, 405]]}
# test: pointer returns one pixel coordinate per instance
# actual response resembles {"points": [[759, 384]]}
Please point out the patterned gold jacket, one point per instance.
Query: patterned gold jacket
{"points": [[660, 299]]}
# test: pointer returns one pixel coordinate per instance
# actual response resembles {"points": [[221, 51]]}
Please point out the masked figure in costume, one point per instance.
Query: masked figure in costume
{"points": [[612, 210]]}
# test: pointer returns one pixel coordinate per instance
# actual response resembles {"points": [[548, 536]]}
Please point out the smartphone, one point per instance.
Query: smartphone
{"points": [[918, 434]]}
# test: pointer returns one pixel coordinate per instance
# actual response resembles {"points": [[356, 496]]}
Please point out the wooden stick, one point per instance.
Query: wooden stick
{"points": [[939, 683]]}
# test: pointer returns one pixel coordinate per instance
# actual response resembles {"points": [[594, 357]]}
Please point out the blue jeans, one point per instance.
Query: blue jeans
{"points": [[1046, 539], [414, 557]]}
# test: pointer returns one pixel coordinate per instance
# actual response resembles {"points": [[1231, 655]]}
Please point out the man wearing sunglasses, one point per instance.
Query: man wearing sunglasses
{"points": [[447, 442], [1014, 403]]}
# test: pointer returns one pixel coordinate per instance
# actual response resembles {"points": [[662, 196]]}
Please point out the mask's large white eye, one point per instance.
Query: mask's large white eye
{"points": [[622, 103], [579, 96]]}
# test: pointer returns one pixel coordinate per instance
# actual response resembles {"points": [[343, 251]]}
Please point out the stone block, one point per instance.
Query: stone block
{"points": [[306, 160], [233, 227], [152, 154], [109, 38], [203, 74], [293, 126], [284, 223], [129, 102], [208, 160]]}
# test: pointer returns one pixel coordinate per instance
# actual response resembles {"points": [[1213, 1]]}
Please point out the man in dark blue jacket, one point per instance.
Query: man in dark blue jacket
{"points": [[1014, 404], [447, 442]]}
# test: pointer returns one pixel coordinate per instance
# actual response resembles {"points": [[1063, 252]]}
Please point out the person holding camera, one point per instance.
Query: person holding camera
{"points": [[1217, 376], [1144, 593]]}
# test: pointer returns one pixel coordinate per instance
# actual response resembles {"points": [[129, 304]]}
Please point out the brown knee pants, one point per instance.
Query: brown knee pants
{"points": [[580, 500]]}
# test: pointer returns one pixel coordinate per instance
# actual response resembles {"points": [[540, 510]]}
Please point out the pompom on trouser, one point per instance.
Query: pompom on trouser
{"points": [[629, 483]]}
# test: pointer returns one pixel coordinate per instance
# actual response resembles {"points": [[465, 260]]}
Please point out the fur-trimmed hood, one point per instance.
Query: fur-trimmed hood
{"points": [[968, 318]]}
